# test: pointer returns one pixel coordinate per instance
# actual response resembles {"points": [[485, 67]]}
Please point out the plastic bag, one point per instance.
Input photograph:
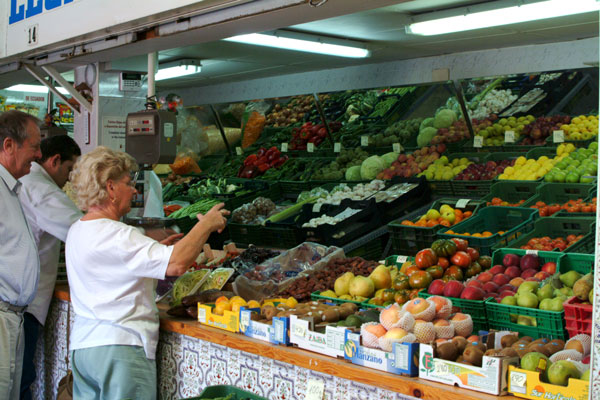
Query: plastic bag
{"points": [[252, 129], [185, 165], [279, 272]]}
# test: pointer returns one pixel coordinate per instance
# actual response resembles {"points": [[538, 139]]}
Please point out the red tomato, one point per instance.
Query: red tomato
{"points": [[443, 262], [462, 259], [544, 212], [461, 244], [554, 208], [425, 258], [473, 253]]}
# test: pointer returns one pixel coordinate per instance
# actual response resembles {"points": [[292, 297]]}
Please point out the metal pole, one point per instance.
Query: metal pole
{"points": [[151, 72], [463, 106], [221, 129], [322, 115]]}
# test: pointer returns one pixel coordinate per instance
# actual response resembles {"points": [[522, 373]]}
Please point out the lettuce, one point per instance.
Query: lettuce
{"points": [[371, 167], [389, 158], [353, 173]]}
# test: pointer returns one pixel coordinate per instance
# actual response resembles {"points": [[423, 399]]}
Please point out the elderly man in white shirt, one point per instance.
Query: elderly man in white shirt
{"points": [[19, 262], [50, 214]]}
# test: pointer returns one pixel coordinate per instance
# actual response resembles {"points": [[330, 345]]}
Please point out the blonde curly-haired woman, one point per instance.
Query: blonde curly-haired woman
{"points": [[112, 270]]}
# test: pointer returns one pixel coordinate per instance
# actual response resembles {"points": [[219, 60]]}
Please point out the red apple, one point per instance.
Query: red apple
{"points": [[490, 287], [508, 286], [533, 279], [501, 279], [485, 277], [475, 283], [510, 260], [549, 267], [542, 275], [472, 293], [505, 293], [436, 287], [497, 269], [513, 272], [528, 273], [516, 282], [453, 289]]}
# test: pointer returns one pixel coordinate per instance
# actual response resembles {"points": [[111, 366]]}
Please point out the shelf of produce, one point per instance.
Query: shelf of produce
{"points": [[420, 388]]}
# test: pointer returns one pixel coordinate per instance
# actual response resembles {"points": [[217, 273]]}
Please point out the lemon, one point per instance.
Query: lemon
{"points": [[253, 304], [509, 170], [502, 176], [520, 161]]}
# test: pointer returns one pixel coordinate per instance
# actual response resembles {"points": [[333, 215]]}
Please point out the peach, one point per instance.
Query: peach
{"points": [[516, 282], [441, 322], [395, 333], [439, 302], [459, 317], [416, 306]]}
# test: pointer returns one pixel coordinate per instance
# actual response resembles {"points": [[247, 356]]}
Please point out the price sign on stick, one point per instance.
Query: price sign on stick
{"points": [[364, 141], [337, 147], [238, 151], [478, 141], [558, 136], [310, 147], [509, 136], [284, 147]]}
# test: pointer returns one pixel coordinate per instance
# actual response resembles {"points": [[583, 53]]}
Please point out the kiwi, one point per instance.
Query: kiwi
{"points": [[331, 315], [527, 339], [521, 352], [350, 306], [491, 352], [552, 348], [508, 340], [482, 347], [508, 352], [559, 343], [473, 355], [540, 340], [460, 343], [344, 312], [255, 316], [281, 314], [535, 346], [447, 351], [575, 345], [269, 313]]}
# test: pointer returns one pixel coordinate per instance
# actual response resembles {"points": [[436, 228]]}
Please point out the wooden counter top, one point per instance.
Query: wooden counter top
{"points": [[410, 386]]}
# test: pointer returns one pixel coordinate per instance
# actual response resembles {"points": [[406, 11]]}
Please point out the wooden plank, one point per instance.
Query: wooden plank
{"points": [[415, 387]]}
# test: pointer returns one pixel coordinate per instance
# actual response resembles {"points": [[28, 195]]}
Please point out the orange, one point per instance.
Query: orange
{"points": [[467, 214], [477, 235], [486, 234], [445, 223], [432, 223], [407, 222], [450, 231], [221, 308], [458, 213], [421, 223], [220, 299]]}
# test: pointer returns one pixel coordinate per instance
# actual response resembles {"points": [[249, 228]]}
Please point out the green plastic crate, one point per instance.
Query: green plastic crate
{"points": [[441, 188], [549, 324], [335, 300], [408, 240], [554, 227], [513, 192], [212, 392], [397, 260], [475, 189], [536, 153], [586, 245], [369, 251], [582, 263], [514, 221], [242, 234], [503, 155], [282, 237], [559, 193], [475, 308]]}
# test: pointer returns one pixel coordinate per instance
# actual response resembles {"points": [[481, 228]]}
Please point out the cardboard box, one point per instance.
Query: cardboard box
{"points": [[331, 343], [276, 333], [490, 378], [527, 384], [403, 359], [229, 321]]}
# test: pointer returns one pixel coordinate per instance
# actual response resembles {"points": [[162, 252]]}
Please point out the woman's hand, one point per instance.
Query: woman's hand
{"points": [[172, 239], [215, 219]]}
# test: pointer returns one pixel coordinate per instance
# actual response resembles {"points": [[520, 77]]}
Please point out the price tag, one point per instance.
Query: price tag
{"points": [[244, 320], [518, 382], [300, 328], [478, 141], [201, 315], [284, 147], [238, 151], [401, 356], [509, 137], [397, 147], [337, 147], [558, 136], [310, 147], [462, 203], [279, 331], [317, 207], [364, 141], [315, 390], [401, 259], [534, 252]]}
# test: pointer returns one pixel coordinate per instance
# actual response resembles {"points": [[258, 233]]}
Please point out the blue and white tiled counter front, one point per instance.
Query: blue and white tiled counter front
{"points": [[186, 365]]}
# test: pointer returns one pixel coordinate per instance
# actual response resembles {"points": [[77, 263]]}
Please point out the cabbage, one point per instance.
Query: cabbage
{"points": [[426, 123], [389, 158], [371, 167], [425, 136], [353, 173], [444, 119]]}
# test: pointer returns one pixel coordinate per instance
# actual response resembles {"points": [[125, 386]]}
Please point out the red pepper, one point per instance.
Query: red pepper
{"points": [[280, 162], [322, 132], [263, 167], [261, 152], [250, 160], [262, 160]]}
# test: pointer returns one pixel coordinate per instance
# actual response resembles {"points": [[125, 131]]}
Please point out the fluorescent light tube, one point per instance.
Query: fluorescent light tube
{"points": [[177, 71], [503, 16], [310, 46], [34, 89]]}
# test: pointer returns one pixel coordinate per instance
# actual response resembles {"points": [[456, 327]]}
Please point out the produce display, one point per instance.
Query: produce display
{"points": [[579, 165], [410, 165], [582, 127], [444, 170], [311, 133], [494, 134], [445, 216], [293, 112], [572, 206], [402, 131], [257, 164], [254, 213], [483, 172], [199, 207], [336, 170], [548, 244]]}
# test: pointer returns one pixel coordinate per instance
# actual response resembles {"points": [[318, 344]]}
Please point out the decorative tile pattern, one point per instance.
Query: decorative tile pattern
{"points": [[186, 365], [594, 374]]}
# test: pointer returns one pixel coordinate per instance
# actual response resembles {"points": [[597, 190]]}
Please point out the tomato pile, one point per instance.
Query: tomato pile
{"points": [[548, 244], [571, 206], [497, 201], [309, 133]]}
